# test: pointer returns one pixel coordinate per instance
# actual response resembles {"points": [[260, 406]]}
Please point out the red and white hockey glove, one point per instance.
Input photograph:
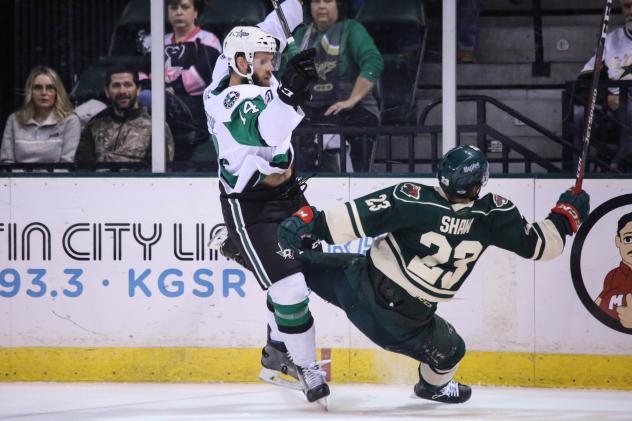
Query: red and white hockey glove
{"points": [[575, 207], [294, 229]]}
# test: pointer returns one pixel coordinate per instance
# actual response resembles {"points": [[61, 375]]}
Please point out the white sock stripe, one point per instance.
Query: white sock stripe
{"points": [[433, 377]]}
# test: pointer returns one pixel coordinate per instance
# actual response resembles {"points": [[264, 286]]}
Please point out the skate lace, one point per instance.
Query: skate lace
{"points": [[313, 375], [450, 389]]}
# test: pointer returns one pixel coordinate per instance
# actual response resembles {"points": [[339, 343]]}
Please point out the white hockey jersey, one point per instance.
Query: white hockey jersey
{"points": [[251, 129], [250, 126]]}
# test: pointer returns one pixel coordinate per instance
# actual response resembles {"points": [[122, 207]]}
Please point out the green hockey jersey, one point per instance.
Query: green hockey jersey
{"points": [[430, 245]]}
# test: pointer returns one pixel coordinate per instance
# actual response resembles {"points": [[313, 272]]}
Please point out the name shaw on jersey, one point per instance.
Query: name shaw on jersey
{"points": [[455, 226]]}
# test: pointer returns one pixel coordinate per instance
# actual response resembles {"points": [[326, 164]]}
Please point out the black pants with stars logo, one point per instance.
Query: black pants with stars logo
{"points": [[252, 219]]}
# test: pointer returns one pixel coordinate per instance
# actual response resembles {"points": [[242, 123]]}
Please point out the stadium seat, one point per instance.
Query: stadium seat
{"points": [[91, 83], [220, 16], [400, 31]]}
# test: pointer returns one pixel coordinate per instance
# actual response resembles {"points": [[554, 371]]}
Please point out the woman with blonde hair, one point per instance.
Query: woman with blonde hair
{"points": [[45, 129]]}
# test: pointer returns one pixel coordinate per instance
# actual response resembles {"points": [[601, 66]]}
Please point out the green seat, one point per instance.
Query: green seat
{"points": [[135, 13], [399, 30], [220, 16], [91, 83]]}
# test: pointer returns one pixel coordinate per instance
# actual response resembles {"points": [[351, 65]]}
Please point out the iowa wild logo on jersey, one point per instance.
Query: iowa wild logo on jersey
{"points": [[230, 99], [499, 200], [411, 190]]}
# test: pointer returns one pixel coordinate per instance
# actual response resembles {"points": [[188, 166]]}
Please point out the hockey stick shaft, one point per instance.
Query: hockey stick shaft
{"points": [[291, 45], [592, 98]]}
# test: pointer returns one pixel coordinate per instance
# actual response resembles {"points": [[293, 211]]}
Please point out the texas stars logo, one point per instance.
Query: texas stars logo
{"points": [[241, 34], [230, 99], [285, 253]]}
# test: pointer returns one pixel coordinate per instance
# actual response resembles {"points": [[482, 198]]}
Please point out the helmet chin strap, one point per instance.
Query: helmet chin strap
{"points": [[248, 75], [628, 27]]}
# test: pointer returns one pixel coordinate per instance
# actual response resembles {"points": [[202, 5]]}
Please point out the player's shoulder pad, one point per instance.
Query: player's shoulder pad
{"points": [[492, 202], [411, 192]]}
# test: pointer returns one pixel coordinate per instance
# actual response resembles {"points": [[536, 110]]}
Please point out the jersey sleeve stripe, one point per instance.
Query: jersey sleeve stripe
{"points": [[537, 252], [340, 225], [355, 219], [553, 241], [262, 276]]}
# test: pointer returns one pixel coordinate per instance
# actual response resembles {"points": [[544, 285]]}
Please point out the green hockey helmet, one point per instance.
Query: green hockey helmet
{"points": [[463, 171]]}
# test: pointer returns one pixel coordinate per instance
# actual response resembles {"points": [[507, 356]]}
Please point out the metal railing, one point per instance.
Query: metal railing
{"points": [[392, 138], [608, 125], [484, 131]]}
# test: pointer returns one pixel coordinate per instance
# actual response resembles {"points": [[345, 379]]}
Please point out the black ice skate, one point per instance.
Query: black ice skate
{"points": [[278, 368], [312, 379], [453, 392], [225, 246]]}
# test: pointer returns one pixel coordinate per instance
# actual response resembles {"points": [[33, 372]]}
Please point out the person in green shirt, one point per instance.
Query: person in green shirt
{"points": [[348, 64]]}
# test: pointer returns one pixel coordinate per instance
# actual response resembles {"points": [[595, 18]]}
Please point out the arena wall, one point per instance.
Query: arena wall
{"points": [[111, 279]]}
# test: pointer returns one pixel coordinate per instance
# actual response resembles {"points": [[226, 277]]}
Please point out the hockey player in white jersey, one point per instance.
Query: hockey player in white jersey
{"points": [[251, 117]]}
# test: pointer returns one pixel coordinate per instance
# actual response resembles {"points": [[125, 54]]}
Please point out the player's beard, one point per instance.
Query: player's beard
{"points": [[257, 81]]}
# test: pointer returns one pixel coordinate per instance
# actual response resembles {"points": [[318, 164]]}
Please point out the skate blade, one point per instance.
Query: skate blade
{"points": [[220, 236], [279, 379], [324, 403]]}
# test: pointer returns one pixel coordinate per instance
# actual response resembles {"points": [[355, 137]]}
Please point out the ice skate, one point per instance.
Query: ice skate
{"points": [[225, 246], [218, 239], [312, 379], [453, 392], [277, 366]]}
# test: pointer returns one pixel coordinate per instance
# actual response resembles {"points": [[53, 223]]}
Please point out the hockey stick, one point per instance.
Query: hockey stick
{"points": [[592, 99], [292, 48]]}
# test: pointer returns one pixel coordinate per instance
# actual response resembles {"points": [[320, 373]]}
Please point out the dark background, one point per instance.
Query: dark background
{"points": [[67, 35]]}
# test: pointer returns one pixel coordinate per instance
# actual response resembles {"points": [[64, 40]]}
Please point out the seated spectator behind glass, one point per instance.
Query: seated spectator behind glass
{"points": [[45, 129], [348, 64], [467, 25], [121, 132], [617, 59], [190, 56]]}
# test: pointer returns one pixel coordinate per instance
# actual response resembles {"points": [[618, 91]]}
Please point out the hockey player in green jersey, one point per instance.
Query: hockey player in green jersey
{"points": [[429, 240], [251, 117]]}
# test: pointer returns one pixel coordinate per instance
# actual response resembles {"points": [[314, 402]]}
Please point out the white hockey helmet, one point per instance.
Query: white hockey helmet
{"points": [[247, 40]]}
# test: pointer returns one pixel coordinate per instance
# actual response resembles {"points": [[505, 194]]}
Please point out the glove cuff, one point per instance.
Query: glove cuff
{"points": [[570, 212]]}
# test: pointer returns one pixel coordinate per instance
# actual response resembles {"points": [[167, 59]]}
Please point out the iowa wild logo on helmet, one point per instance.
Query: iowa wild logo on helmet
{"points": [[411, 190]]}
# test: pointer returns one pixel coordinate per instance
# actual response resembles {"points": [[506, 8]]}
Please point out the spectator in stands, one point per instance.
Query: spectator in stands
{"points": [[348, 64], [468, 17], [121, 132], [190, 56], [45, 129], [617, 60]]}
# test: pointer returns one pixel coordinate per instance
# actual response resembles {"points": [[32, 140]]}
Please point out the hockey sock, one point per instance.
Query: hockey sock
{"points": [[433, 378], [301, 346], [275, 335], [293, 318]]}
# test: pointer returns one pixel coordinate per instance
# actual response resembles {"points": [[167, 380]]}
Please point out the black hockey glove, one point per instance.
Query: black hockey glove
{"points": [[296, 81], [575, 207], [294, 229]]}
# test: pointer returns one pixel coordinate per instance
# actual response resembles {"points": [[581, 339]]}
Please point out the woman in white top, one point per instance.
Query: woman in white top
{"points": [[45, 129]]}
